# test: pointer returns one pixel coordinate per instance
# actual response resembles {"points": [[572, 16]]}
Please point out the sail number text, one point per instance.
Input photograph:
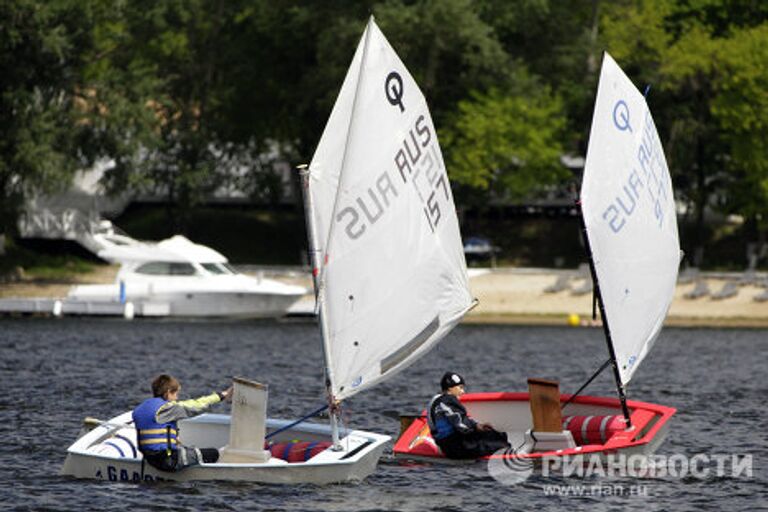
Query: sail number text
{"points": [[417, 161], [651, 181]]}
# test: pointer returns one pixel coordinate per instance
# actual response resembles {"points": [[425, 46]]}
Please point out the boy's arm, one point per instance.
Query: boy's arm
{"points": [[174, 411], [460, 421]]}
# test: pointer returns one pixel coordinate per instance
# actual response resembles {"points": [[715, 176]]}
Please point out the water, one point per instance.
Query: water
{"points": [[55, 372]]}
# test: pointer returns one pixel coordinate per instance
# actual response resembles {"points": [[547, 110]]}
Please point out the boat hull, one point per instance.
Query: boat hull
{"points": [[189, 303], [510, 412], [108, 453], [213, 304]]}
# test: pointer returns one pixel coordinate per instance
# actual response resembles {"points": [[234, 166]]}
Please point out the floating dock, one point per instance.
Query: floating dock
{"points": [[67, 306], [304, 308]]}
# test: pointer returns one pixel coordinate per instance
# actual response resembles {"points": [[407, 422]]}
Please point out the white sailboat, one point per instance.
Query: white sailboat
{"points": [[390, 279], [631, 226]]}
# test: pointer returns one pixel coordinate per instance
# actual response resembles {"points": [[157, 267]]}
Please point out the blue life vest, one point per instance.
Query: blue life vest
{"points": [[154, 436], [439, 427]]}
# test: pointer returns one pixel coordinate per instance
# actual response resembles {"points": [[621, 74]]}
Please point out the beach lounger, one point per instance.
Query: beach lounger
{"points": [[747, 277], [689, 275], [700, 289], [584, 289], [562, 283], [729, 289]]}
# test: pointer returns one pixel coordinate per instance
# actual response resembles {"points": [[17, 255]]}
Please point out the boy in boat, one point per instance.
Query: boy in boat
{"points": [[458, 435], [157, 430]]}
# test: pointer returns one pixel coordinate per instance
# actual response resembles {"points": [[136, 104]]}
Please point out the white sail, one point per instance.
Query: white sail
{"points": [[393, 279], [629, 212]]}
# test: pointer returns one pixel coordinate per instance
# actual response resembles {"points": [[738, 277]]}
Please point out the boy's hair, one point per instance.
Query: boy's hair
{"points": [[163, 384]]}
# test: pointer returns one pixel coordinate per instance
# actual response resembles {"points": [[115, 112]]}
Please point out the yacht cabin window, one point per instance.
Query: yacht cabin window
{"points": [[166, 268], [216, 268]]}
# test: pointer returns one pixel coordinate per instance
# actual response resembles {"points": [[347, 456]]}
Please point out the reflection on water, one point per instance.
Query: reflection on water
{"points": [[57, 371]]}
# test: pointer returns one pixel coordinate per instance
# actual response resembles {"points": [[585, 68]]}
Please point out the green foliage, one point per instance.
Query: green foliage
{"points": [[40, 266], [741, 109], [449, 49], [39, 49], [506, 142], [187, 96], [244, 235], [708, 59], [162, 124]]}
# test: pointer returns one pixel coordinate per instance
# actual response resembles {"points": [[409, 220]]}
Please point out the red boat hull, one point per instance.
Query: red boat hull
{"points": [[592, 425]]}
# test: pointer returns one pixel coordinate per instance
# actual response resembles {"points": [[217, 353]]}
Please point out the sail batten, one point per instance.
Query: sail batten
{"points": [[629, 214], [393, 272]]}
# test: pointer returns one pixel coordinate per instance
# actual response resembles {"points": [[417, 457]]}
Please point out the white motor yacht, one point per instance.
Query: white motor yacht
{"points": [[176, 277]]}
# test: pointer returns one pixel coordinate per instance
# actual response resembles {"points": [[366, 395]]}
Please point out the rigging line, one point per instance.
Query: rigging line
{"points": [[594, 302], [589, 381], [300, 420]]}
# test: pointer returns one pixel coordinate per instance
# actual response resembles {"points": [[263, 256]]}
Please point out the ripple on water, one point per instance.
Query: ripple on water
{"points": [[55, 372]]}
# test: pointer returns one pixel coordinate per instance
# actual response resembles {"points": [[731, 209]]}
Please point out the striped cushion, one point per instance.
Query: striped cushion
{"points": [[297, 451]]}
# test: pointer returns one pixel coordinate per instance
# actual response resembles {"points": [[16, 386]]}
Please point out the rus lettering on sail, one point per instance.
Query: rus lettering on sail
{"points": [[647, 179], [654, 168], [409, 154], [624, 205], [419, 162], [369, 207]]}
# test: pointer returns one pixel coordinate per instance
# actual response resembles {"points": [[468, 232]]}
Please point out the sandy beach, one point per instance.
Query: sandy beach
{"points": [[518, 296], [511, 295]]}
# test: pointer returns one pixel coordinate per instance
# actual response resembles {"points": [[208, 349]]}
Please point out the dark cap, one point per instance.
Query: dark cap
{"points": [[451, 379]]}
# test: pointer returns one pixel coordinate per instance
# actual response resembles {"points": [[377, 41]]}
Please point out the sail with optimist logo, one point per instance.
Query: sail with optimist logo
{"points": [[390, 273], [629, 214]]}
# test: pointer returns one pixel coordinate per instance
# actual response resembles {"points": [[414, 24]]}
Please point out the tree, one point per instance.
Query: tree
{"points": [[158, 96], [447, 47], [307, 47], [507, 143], [557, 42], [741, 110], [41, 128], [501, 129], [691, 50]]}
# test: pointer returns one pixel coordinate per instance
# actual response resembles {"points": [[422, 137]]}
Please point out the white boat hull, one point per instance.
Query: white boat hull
{"points": [[191, 302], [108, 453], [213, 304]]}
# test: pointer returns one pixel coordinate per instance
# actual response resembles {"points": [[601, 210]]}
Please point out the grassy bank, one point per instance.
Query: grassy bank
{"points": [[28, 264]]}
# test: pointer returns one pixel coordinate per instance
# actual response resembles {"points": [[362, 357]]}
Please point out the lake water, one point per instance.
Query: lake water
{"points": [[54, 372]]}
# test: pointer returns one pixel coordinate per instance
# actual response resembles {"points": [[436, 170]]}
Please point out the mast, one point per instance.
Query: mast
{"points": [[314, 256], [319, 284], [606, 328]]}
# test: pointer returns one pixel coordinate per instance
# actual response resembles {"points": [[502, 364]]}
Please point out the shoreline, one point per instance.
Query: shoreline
{"points": [[520, 296], [513, 296], [563, 320]]}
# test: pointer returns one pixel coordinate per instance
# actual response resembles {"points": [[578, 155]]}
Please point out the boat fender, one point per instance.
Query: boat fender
{"points": [[593, 429], [129, 311]]}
